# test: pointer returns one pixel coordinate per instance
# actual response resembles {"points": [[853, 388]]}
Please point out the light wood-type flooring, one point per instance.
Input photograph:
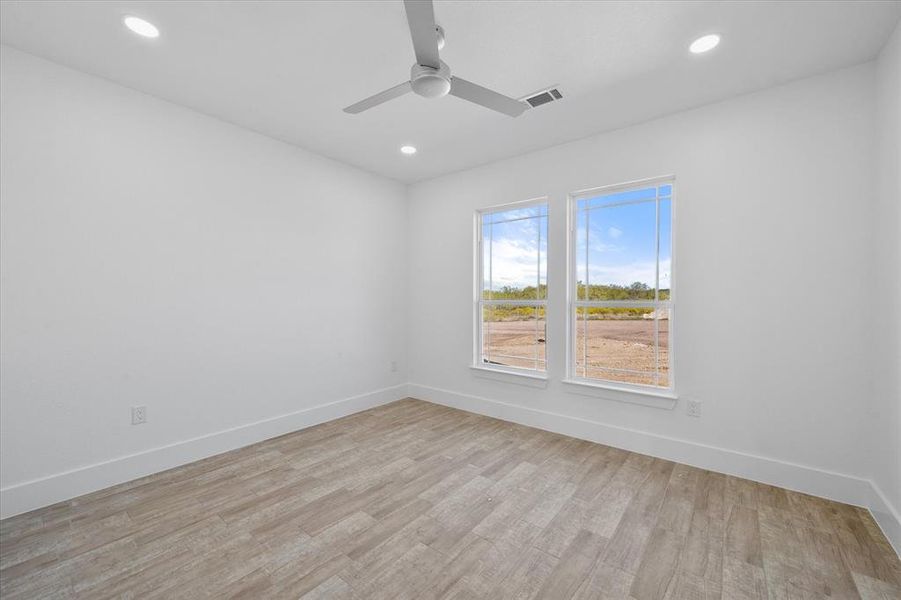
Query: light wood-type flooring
{"points": [[414, 500]]}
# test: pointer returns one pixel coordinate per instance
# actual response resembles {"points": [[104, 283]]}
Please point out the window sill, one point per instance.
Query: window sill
{"points": [[516, 376], [653, 398]]}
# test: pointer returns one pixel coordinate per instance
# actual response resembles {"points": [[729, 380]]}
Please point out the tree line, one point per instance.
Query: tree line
{"points": [[635, 291]]}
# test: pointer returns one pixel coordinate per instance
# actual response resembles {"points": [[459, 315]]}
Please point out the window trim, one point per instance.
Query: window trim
{"points": [[477, 292], [572, 301]]}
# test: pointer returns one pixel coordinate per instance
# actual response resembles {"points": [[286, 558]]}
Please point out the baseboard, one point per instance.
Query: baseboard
{"points": [[37, 493], [801, 478], [887, 517], [49, 490]]}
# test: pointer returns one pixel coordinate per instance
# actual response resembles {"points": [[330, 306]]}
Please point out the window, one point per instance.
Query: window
{"points": [[621, 304], [511, 289]]}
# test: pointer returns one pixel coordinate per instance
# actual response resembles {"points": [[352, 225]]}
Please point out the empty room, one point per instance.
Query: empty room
{"points": [[450, 299]]}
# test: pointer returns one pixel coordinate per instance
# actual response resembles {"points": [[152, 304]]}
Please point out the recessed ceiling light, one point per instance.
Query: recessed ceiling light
{"points": [[408, 149], [705, 43], [141, 27]]}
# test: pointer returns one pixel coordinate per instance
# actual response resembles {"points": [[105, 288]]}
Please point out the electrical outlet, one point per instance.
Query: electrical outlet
{"points": [[694, 408], [394, 366], [138, 415]]}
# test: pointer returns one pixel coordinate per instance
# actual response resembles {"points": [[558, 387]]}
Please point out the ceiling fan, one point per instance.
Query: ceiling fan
{"points": [[430, 77]]}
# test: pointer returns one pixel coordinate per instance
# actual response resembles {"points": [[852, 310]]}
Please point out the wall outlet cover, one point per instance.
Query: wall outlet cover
{"points": [[693, 408], [138, 415]]}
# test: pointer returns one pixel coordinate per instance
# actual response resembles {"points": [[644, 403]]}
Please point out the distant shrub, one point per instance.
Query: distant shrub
{"points": [[636, 291]]}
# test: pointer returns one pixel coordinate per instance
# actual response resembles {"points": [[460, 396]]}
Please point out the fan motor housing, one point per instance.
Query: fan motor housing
{"points": [[429, 82]]}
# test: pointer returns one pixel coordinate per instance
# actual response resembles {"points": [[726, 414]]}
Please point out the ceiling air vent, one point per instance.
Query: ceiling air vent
{"points": [[543, 97]]}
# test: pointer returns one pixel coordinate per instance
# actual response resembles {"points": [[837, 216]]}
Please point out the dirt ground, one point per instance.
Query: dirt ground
{"points": [[512, 343], [612, 344]]}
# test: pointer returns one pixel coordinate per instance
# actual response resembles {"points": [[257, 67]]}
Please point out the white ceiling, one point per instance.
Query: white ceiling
{"points": [[286, 69]]}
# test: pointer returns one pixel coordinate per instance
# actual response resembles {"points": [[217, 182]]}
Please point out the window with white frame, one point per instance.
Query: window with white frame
{"points": [[511, 287], [621, 294]]}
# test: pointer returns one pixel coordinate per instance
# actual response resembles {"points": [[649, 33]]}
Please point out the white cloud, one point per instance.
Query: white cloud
{"points": [[513, 263], [614, 233], [629, 273], [598, 245]]}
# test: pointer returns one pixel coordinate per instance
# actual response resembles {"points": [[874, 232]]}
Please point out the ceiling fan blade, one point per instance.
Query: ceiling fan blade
{"points": [[421, 17], [389, 94], [485, 97]]}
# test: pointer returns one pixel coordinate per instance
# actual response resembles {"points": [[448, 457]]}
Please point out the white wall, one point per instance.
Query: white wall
{"points": [[773, 209], [242, 288], [886, 460], [155, 256]]}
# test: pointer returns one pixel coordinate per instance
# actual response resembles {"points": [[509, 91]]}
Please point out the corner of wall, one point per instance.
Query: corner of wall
{"points": [[38, 493], [886, 261]]}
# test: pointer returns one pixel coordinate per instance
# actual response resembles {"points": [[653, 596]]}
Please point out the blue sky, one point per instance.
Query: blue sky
{"points": [[622, 242], [516, 247]]}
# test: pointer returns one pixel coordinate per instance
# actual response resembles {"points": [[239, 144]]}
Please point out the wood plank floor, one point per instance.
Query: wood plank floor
{"points": [[414, 500]]}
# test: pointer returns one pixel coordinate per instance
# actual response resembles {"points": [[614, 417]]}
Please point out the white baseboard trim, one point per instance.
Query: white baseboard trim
{"points": [[801, 478], [37, 493], [887, 517]]}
